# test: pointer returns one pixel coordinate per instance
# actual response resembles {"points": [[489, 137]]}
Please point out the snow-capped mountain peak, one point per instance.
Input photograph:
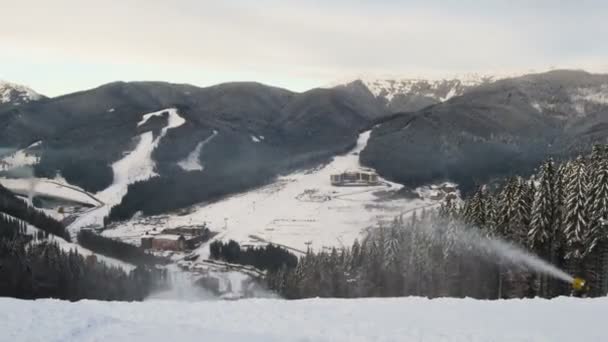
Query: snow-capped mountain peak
{"points": [[411, 93], [17, 94]]}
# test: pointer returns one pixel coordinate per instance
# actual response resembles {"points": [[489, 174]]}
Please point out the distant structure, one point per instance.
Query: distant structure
{"points": [[443, 191], [355, 178], [176, 239]]}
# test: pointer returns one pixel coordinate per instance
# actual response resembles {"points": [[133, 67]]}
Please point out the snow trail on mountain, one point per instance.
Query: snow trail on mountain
{"points": [[193, 161], [298, 210], [137, 165]]}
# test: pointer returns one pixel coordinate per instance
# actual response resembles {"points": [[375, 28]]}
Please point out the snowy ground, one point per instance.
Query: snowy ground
{"points": [[298, 210], [49, 188], [387, 319]]}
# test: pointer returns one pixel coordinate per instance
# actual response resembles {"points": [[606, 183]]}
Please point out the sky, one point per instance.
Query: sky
{"points": [[62, 46]]}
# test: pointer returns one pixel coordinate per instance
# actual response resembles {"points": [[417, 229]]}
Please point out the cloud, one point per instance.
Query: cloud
{"points": [[313, 40]]}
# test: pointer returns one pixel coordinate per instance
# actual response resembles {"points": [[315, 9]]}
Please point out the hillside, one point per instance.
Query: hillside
{"points": [[500, 128], [412, 94], [130, 144], [298, 210], [382, 319], [250, 133]]}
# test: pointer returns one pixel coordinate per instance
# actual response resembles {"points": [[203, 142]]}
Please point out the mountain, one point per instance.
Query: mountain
{"points": [[131, 144], [402, 94], [15, 94], [493, 129], [183, 143]]}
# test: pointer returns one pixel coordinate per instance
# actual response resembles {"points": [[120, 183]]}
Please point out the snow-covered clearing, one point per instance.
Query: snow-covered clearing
{"points": [[382, 319], [299, 210], [137, 165], [49, 188], [20, 158], [193, 161]]}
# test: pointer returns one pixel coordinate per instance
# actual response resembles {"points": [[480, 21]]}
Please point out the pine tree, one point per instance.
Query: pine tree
{"points": [[596, 242], [576, 206], [545, 211]]}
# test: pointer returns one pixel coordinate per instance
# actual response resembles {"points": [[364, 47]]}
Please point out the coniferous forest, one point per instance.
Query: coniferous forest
{"points": [[33, 266], [269, 257], [559, 214]]}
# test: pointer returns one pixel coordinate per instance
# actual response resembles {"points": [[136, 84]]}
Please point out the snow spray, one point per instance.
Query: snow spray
{"points": [[519, 256], [181, 286], [503, 251]]}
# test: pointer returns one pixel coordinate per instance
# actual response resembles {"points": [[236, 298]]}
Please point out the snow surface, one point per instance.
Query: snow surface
{"points": [[438, 88], [298, 210], [137, 165], [49, 188], [353, 320], [20, 158], [583, 96], [193, 161], [17, 93]]}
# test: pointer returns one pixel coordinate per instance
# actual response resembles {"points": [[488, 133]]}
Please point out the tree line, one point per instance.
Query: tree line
{"points": [[560, 213], [12, 205], [117, 249], [269, 257], [32, 267]]}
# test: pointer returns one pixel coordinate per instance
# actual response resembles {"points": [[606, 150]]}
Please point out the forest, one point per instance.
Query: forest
{"points": [[117, 249], [31, 267], [11, 205], [269, 257], [560, 213]]}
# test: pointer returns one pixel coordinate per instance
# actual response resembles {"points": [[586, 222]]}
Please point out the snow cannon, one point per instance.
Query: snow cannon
{"points": [[578, 285]]}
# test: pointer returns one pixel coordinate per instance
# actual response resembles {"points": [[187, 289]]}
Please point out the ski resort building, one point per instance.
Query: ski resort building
{"points": [[355, 178], [164, 242], [176, 239]]}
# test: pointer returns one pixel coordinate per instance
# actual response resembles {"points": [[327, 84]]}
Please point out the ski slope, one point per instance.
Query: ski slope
{"points": [[193, 161], [267, 320], [298, 211], [135, 166], [18, 158]]}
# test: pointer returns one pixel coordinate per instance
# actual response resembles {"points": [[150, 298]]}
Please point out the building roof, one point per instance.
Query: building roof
{"points": [[167, 237]]}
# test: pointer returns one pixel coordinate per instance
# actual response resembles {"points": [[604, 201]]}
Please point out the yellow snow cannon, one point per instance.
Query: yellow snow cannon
{"points": [[578, 284]]}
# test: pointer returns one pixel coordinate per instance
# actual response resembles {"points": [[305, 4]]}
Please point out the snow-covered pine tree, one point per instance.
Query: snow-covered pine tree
{"points": [[477, 214], [576, 221], [506, 208], [597, 238], [545, 211]]}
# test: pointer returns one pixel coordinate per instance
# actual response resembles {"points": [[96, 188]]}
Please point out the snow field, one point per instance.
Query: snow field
{"points": [[382, 319]]}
